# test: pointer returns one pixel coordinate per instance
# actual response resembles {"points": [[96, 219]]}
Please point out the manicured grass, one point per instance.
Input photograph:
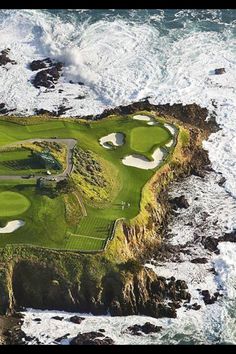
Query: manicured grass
{"points": [[143, 139], [45, 221], [84, 243], [12, 203], [94, 227], [48, 125]]}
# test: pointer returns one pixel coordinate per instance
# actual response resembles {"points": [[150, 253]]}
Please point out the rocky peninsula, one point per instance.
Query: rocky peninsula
{"points": [[116, 280]]}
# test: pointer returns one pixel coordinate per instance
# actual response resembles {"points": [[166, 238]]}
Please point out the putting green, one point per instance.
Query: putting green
{"points": [[143, 139], [12, 203]]}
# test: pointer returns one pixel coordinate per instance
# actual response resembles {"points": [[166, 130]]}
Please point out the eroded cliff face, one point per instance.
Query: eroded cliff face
{"points": [[130, 289]]}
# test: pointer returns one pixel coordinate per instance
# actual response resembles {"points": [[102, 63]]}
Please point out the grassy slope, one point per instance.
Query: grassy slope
{"points": [[44, 211]]}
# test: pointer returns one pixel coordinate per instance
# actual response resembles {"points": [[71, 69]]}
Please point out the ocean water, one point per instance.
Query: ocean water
{"points": [[170, 56]]}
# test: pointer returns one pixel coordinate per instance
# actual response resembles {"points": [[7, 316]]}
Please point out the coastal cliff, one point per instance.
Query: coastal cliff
{"points": [[124, 289], [114, 281]]}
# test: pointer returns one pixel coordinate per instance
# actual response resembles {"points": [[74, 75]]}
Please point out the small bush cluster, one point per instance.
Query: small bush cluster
{"points": [[89, 168], [49, 144]]}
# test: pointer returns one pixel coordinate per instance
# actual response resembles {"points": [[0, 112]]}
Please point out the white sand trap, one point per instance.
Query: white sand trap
{"points": [[140, 117], [171, 128], [11, 226], [150, 120], [170, 143], [142, 162], [117, 139], [153, 123]]}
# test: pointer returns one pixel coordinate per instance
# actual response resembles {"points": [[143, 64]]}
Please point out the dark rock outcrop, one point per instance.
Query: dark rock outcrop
{"points": [[43, 111], [4, 58], [200, 260], [37, 319], [211, 243], [228, 237], [198, 173], [194, 306], [58, 318], [4, 110], [209, 299], [221, 181], [220, 71], [179, 202], [76, 319], [40, 64], [47, 77], [61, 110], [146, 328], [91, 338]]}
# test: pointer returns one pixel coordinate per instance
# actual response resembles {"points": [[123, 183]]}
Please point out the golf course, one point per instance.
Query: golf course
{"points": [[112, 160]]}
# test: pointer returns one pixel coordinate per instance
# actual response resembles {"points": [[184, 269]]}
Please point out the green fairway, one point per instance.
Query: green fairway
{"points": [[112, 191], [12, 204], [144, 139]]}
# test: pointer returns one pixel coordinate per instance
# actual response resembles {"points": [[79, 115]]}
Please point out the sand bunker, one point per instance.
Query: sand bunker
{"points": [[142, 162], [11, 226], [170, 143], [116, 139], [171, 128], [140, 117], [150, 120]]}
